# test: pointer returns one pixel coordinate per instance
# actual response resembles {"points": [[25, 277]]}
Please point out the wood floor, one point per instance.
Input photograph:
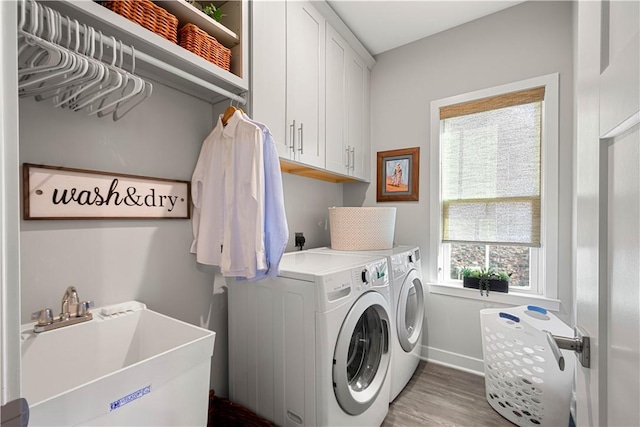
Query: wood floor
{"points": [[442, 396]]}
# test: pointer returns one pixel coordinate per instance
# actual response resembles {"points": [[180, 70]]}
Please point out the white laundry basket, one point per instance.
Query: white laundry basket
{"points": [[523, 381]]}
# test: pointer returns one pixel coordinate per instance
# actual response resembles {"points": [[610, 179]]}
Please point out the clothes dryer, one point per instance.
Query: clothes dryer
{"points": [[407, 306], [312, 347]]}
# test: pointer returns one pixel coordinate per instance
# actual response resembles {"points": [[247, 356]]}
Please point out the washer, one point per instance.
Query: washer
{"points": [[407, 308], [312, 347]]}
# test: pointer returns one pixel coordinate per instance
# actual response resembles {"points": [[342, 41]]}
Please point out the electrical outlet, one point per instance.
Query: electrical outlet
{"points": [[299, 240]]}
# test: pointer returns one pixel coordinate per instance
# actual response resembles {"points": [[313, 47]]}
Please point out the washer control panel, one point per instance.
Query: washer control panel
{"points": [[341, 284], [373, 274]]}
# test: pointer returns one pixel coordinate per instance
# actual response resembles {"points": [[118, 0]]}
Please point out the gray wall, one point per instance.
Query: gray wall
{"points": [[527, 40], [307, 201], [111, 261]]}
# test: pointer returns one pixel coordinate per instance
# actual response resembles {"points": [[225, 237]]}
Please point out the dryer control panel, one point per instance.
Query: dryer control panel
{"points": [[403, 262]]}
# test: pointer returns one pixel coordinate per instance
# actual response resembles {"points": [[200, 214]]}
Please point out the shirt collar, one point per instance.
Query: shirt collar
{"points": [[230, 129]]}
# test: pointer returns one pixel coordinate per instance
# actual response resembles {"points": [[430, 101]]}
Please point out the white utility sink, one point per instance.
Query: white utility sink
{"points": [[127, 366]]}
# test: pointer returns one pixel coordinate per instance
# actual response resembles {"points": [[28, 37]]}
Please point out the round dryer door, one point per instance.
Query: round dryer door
{"points": [[362, 354], [410, 313]]}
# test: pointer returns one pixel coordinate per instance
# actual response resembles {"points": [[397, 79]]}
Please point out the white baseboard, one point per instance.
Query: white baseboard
{"points": [[452, 360]]}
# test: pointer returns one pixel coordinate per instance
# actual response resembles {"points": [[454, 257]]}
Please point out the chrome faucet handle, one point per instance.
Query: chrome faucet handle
{"points": [[44, 317], [84, 307]]}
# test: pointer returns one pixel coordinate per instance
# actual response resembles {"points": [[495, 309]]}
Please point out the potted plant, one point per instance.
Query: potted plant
{"points": [[485, 279], [213, 12]]}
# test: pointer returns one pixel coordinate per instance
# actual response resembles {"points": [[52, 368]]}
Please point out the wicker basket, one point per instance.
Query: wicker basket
{"points": [[202, 44], [147, 14]]}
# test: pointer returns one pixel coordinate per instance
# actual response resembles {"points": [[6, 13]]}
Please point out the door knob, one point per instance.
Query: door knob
{"points": [[581, 344]]}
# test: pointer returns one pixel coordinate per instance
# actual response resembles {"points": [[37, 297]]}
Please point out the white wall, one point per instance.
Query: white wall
{"points": [[527, 40], [111, 261]]}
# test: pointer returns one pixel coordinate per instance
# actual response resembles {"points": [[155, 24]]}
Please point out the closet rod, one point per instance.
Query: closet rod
{"points": [[164, 66], [190, 77]]}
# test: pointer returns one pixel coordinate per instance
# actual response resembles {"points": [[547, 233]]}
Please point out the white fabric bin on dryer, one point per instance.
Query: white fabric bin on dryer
{"points": [[362, 228]]}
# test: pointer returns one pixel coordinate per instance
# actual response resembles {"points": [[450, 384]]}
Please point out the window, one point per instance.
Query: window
{"points": [[494, 184]]}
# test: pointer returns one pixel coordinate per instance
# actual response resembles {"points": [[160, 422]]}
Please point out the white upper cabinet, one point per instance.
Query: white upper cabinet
{"points": [[358, 116], [305, 82], [268, 70], [347, 112], [311, 87], [288, 77], [337, 148]]}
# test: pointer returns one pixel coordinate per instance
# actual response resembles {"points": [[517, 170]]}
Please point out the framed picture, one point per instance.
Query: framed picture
{"points": [[51, 192], [398, 175]]}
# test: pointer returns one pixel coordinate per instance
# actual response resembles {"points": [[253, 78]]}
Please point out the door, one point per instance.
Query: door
{"points": [[357, 115], [269, 63], [347, 108], [305, 82], [336, 147], [607, 211], [9, 208], [362, 354], [410, 311]]}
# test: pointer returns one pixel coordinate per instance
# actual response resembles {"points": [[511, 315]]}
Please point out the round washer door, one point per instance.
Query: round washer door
{"points": [[361, 357], [410, 313]]}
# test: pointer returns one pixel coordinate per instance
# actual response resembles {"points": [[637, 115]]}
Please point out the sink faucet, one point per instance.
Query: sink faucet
{"points": [[73, 311], [70, 303]]}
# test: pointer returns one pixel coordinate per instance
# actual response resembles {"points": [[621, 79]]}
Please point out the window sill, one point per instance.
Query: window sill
{"points": [[511, 298]]}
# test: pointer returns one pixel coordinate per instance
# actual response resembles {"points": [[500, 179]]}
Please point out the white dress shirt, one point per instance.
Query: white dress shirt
{"points": [[227, 189]]}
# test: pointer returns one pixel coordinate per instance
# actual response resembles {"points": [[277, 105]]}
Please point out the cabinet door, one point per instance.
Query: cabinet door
{"points": [[269, 64], [358, 116], [336, 147], [305, 82]]}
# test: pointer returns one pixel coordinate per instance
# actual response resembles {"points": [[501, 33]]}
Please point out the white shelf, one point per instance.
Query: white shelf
{"points": [[143, 40], [186, 13]]}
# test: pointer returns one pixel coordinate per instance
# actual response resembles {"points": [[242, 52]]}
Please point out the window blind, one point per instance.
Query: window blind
{"points": [[491, 163]]}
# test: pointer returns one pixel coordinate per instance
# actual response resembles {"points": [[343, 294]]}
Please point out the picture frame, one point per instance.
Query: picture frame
{"points": [[398, 175], [53, 193]]}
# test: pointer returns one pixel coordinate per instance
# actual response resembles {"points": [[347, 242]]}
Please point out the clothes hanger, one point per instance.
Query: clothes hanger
{"points": [[136, 88], [119, 113], [44, 57], [113, 81], [106, 79], [58, 74], [229, 112], [95, 76], [84, 72]]}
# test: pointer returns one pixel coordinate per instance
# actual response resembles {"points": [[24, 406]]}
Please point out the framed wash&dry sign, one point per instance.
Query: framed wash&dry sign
{"points": [[398, 173], [51, 192]]}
